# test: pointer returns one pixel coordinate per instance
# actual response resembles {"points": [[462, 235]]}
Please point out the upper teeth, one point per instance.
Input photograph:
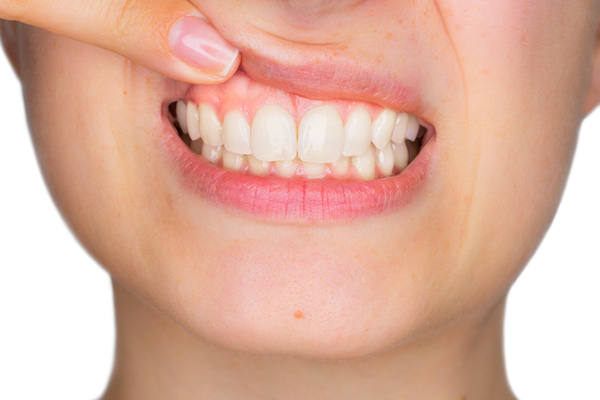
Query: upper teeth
{"points": [[320, 138]]}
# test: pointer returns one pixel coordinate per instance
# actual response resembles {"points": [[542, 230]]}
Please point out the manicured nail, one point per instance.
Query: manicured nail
{"points": [[195, 41]]}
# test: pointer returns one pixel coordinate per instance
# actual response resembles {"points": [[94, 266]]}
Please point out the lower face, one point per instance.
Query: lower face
{"points": [[314, 246]]}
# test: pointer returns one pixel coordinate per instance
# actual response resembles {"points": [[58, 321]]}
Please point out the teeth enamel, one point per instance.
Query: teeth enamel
{"points": [[341, 165], [384, 159], [273, 134], [323, 145], [233, 161], [383, 126], [357, 132], [412, 130], [321, 135], [180, 112], [286, 168], [211, 153], [365, 164], [313, 170], [236, 133], [210, 126], [191, 117], [400, 155], [256, 166]]}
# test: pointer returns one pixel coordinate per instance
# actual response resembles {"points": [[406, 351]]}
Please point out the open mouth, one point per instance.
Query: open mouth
{"points": [[278, 155], [341, 140]]}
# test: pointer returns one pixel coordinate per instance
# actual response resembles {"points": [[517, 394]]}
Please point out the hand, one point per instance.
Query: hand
{"points": [[168, 36]]}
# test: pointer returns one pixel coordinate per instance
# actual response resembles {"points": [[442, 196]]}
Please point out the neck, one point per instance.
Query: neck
{"points": [[156, 358]]}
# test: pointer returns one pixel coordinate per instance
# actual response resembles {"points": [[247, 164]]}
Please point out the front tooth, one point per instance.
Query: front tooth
{"points": [[210, 126], [321, 135], [412, 131], [236, 133], [211, 153], [233, 161], [286, 168], [365, 164], [192, 121], [400, 155], [357, 132], [384, 159], [383, 126], [340, 166], [256, 166], [313, 170], [273, 135], [180, 112]]}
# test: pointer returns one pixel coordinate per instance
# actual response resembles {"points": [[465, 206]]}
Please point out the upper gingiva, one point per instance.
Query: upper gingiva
{"points": [[321, 145]]}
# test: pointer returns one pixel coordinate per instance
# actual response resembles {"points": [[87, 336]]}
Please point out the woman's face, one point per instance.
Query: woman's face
{"points": [[325, 267]]}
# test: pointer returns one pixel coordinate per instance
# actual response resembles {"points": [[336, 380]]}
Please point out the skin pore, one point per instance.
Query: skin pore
{"points": [[214, 302]]}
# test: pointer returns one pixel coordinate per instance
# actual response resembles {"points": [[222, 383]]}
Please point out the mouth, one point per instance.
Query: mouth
{"points": [[283, 157]]}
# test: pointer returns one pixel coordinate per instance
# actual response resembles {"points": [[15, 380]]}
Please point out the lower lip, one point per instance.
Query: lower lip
{"points": [[294, 200]]}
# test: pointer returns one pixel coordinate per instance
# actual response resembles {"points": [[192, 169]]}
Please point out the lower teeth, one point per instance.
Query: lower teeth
{"points": [[373, 164]]}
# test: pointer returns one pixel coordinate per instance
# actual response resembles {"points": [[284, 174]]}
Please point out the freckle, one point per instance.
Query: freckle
{"points": [[298, 314], [388, 35]]}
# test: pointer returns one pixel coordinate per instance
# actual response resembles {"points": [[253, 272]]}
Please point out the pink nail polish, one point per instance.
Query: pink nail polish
{"points": [[195, 41]]}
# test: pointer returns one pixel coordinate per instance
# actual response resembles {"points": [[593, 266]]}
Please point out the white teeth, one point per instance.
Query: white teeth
{"points": [[383, 126], [192, 121], [211, 153], [321, 135], [236, 133], [400, 155], [365, 164], [314, 170], [384, 159], [286, 168], [399, 133], [233, 161], [210, 126], [341, 165], [357, 132], [273, 134], [412, 130], [322, 146], [256, 166], [180, 112]]}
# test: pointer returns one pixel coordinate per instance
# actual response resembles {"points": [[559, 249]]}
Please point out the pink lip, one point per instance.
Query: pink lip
{"points": [[294, 200]]}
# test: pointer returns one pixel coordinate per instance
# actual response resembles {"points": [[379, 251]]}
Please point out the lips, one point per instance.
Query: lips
{"points": [[286, 189]]}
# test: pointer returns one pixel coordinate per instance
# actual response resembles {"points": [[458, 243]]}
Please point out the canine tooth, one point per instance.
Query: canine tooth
{"points": [[357, 132], [180, 112], [383, 126], [211, 153], [273, 135], [313, 170], [400, 155], [413, 128], [399, 133], [196, 146], [210, 126], [286, 168], [236, 133], [384, 159], [191, 118], [365, 164], [256, 166], [340, 166], [321, 135], [233, 161]]}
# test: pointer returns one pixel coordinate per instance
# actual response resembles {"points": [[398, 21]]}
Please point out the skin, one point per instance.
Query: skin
{"points": [[400, 300]]}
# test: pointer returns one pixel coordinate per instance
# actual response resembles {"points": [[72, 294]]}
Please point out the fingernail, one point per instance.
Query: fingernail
{"points": [[195, 41]]}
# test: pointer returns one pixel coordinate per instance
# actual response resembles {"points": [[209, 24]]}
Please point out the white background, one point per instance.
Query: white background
{"points": [[56, 319]]}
